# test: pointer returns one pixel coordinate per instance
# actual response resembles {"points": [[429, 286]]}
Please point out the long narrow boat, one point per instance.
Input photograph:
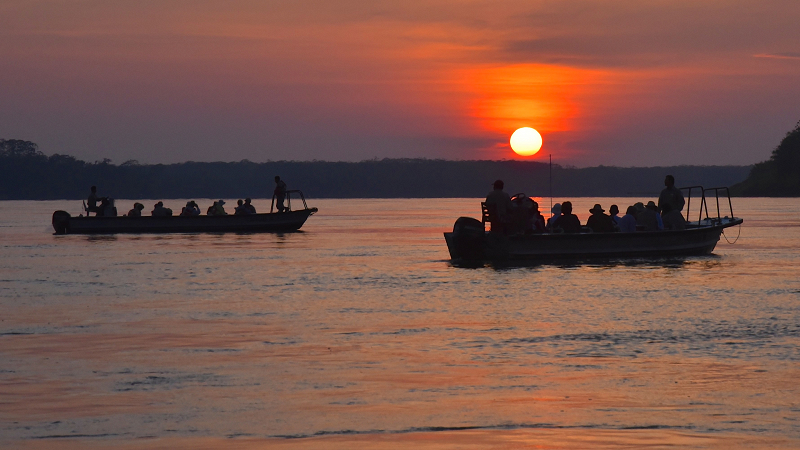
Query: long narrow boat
{"points": [[64, 223], [470, 242]]}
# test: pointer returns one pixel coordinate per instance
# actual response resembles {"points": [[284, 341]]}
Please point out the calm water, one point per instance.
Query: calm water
{"points": [[358, 332]]}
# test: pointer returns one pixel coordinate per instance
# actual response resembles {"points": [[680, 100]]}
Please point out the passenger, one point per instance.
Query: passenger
{"points": [[498, 202], [600, 222], [249, 207], [537, 220], [191, 209], [671, 198], [91, 202], [240, 209], [613, 211], [136, 211], [673, 220], [521, 214], [556, 211], [107, 208], [568, 222], [217, 209], [280, 194], [627, 223], [651, 205], [646, 219], [160, 211]]}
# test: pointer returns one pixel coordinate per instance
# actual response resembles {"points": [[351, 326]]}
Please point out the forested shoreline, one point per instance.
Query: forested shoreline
{"points": [[29, 174]]}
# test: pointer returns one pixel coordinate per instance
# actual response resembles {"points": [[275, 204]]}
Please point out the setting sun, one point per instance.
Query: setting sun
{"points": [[526, 141]]}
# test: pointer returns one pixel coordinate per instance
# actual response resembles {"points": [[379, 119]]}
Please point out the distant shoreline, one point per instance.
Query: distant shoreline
{"points": [[35, 176]]}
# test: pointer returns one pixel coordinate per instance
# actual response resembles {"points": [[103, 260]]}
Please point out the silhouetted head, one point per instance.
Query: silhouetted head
{"points": [[566, 208], [614, 209], [239, 202], [631, 210], [597, 209], [138, 206], [669, 181], [498, 184], [556, 209], [652, 205], [159, 204], [277, 178], [94, 188], [534, 206], [247, 201]]}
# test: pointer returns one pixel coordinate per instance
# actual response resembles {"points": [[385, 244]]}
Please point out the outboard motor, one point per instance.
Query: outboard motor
{"points": [[61, 222], [468, 236]]}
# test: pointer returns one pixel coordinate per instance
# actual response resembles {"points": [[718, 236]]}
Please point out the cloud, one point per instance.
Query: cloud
{"points": [[786, 55]]}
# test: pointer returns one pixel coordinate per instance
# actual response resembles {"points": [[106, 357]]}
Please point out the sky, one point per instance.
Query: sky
{"points": [[612, 82]]}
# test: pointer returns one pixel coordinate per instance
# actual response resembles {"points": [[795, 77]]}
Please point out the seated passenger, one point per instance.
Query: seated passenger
{"points": [[160, 211], [651, 205], [613, 211], [136, 211], [191, 209], [646, 219], [107, 208], [568, 222], [217, 209], [556, 211], [240, 209], [600, 222], [537, 220], [627, 223], [250, 208]]}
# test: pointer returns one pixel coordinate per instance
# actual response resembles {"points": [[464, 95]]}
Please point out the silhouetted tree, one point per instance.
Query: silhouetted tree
{"points": [[780, 175]]}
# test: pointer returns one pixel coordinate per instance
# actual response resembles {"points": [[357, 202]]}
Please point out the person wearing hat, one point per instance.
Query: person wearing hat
{"points": [[219, 210], [600, 222], [498, 203], [556, 211], [646, 218]]}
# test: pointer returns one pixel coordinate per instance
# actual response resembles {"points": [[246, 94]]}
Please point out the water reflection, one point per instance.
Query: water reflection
{"points": [[706, 262]]}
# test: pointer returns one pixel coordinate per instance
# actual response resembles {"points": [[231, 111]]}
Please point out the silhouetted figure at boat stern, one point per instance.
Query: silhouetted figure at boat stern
{"points": [[280, 194], [91, 202], [497, 207]]}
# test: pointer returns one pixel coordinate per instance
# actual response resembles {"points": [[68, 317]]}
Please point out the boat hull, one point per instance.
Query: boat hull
{"points": [[63, 223], [699, 239]]}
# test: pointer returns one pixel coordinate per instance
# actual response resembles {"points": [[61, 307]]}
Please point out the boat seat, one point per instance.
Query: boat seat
{"points": [[488, 213]]}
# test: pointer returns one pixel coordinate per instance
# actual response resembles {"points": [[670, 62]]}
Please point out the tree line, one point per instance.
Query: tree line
{"points": [[29, 174]]}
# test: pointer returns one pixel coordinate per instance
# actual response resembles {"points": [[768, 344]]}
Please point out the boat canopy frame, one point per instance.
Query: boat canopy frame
{"points": [[289, 200], [704, 202]]}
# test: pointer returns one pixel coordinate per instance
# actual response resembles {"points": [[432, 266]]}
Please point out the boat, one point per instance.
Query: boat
{"points": [[270, 222], [469, 241]]}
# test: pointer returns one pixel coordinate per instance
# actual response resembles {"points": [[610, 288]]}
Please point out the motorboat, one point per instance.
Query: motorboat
{"points": [[469, 240], [286, 221]]}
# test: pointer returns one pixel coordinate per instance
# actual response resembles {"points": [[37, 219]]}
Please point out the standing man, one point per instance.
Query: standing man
{"points": [[498, 203], [671, 198], [280, 194]]}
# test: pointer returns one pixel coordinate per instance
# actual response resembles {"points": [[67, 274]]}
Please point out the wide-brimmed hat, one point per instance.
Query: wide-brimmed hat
{"points": [[597, 209], [221, 202]]}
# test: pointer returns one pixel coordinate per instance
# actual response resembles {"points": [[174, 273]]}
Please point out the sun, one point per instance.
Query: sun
{"points": [[526, 141]]}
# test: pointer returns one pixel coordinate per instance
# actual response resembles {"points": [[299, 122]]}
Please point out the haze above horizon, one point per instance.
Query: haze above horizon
{"points": [[624, 83]]}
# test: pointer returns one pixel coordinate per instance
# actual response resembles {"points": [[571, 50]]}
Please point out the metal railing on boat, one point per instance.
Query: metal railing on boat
{"points": [[704, 203], [289, 200]]}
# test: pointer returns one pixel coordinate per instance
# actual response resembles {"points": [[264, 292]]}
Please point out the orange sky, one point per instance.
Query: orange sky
{"points": [[615, 82]]}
